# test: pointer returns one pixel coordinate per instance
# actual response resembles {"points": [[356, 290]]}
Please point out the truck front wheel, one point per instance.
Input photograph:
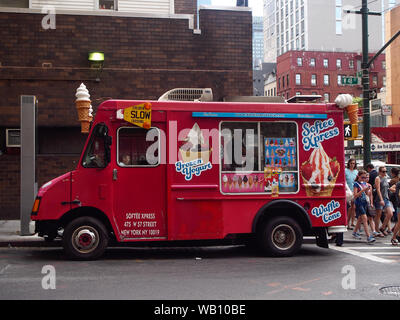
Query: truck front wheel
{"points": [[280, 236], [85, 238]]}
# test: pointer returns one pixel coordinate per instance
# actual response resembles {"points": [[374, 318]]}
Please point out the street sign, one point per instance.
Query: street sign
{"points": [[386, 110], [385, 147], [350, 131], [349, 80]]}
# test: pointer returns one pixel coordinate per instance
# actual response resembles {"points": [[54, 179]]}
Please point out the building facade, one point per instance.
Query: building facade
{"points": [[393, 72], [146, 54], [258, 41], [322, 73], [319, 25]]}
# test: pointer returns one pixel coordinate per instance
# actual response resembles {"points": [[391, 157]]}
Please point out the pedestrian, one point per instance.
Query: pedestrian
{"points": [[351, 174], [396, 229], [382, 202], [395, 174], [360, 191], [371, 210], [372, 174]]}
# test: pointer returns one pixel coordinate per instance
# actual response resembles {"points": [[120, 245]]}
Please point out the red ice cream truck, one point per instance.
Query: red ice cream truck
{"points": [[153, 172]]}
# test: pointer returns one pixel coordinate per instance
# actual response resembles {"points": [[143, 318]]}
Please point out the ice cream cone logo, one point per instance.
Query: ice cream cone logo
{"points": [[84, 107], [195, 147], [194, 154]]}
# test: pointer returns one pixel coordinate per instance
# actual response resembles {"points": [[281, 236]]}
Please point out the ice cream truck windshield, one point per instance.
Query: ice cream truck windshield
{"points": [[227, 172]]}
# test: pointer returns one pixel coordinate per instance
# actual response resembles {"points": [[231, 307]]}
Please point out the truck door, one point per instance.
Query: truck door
{"points": [[139, 180]]}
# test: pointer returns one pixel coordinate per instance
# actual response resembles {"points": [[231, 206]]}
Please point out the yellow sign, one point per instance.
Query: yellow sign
{"points": [[139, 115]]}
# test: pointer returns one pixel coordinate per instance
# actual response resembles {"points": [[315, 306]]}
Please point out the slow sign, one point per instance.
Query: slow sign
{"points": [[139, 115]]}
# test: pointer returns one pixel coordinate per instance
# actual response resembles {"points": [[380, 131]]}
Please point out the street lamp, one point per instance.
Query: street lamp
{"points": [[96, 59]]}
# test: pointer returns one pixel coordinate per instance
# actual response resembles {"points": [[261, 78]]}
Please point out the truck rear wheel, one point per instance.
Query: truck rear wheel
{"points": [[85, 238], [280, 236]]}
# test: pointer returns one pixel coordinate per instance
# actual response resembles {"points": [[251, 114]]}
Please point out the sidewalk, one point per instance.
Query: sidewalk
{"points": [[10, 236]]}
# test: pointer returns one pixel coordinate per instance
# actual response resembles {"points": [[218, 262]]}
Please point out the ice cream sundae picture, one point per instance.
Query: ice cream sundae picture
{"points": [[319, 173]]}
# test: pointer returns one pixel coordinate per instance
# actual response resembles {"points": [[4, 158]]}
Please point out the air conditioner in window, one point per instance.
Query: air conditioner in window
{"points": [[188, 94], [13, 138]]}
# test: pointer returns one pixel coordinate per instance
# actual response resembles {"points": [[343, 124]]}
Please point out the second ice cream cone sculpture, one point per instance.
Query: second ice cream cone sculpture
{"points": [[346, 101], [84, 108]]}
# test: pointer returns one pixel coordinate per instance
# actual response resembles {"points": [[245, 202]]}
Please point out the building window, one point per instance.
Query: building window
{"points": [[312, 62], [298, 93], [287, 80], [326, 79], [326, 63], [383, 65], [248, 148], [351, 64], [313, 79], [326, 97], [339, 80], [339, 63], [298, 79], [299, 62], [375, 81], [338, 17], [384, 81], [15, 3], [108, 4]]}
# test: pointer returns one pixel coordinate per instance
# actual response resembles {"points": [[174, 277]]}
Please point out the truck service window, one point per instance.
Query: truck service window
{"points": [[138, 147], [259, 157]]}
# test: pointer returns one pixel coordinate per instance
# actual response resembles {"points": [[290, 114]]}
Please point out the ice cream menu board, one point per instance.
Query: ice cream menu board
{"points": [[280, 158], [280, 152]]}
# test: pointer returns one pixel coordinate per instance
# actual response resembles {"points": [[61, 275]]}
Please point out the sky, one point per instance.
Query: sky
{"points": [[256, 5]]}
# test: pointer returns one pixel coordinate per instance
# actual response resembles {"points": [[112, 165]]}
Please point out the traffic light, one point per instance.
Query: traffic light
{"points": [[350, 130]]}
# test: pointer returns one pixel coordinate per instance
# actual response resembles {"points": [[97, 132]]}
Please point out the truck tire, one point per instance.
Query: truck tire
{"points": [[280, 237], [85, 238]]}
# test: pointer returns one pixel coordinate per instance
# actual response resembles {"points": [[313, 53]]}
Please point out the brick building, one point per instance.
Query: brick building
{"points": [[146, 54], [318, 72]]}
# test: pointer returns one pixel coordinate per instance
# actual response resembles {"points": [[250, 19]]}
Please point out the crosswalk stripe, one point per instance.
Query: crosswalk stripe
{"points": [[368, 256], [373, 247]]}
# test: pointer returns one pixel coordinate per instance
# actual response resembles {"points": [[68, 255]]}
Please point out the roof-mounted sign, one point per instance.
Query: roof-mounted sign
{"points": [[139, 115]]}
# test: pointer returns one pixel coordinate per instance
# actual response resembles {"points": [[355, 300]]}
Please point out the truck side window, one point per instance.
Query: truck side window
{"points": [[239, 146], [96, 154], [138, 147], [259, 157]]}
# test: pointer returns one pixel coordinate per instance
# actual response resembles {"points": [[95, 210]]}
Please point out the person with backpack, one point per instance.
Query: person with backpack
{"points": [[381, 201], [351, 174], [396, 230], [360, 190]]}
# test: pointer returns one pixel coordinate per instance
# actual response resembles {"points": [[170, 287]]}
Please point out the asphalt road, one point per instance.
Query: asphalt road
{"points": [[201, 273]]}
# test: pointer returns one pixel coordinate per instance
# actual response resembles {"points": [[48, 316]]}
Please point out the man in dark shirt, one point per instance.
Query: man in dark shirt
{"points": [[372, 174]]}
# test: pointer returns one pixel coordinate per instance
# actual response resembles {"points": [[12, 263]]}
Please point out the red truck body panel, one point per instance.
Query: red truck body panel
{"points": [[165, 202]]}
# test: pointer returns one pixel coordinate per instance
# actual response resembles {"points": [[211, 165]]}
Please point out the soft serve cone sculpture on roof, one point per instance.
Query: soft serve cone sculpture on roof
{"points": [[84, 107], [346, 101]]}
